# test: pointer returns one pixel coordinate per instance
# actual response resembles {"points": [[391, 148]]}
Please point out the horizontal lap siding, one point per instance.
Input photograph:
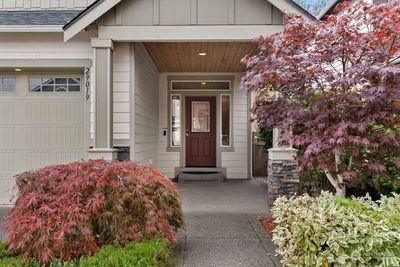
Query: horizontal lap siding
{"points": [[121, 95], [167, 160], [236, 162], [45, 46], [146, 107]]}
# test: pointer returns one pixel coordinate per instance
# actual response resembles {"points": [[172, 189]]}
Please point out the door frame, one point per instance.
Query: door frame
{"points": [[202, 98], [165, 82]]}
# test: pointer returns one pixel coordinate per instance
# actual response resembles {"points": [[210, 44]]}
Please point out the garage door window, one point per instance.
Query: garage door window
{"points": [[7, 85], [54, 84]]}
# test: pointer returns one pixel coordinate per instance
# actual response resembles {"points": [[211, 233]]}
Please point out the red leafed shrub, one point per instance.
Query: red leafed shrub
{"points": [[67, 211]]}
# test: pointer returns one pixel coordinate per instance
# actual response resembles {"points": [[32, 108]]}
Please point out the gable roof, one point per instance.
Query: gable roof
{"points": [[100, 7], [48, 17]]}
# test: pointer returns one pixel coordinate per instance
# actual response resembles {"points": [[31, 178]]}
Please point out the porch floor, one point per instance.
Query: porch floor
{"points": [[222, 227]]}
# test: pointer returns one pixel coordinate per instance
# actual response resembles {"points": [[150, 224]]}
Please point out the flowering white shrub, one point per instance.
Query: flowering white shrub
{"points": [[331, 231]]}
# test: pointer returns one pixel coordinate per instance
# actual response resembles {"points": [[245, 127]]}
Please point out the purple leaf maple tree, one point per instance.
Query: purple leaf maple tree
{"points": [[333, 88]]}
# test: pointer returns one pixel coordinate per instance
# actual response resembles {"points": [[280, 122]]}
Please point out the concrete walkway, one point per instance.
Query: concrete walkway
{"points": [[222, 227]]}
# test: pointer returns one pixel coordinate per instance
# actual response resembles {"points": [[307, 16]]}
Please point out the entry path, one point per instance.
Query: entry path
{"points": [[222, 227]]}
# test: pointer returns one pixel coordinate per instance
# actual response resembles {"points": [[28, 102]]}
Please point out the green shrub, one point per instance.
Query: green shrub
{"points": [[330, 231], [147, 254]]}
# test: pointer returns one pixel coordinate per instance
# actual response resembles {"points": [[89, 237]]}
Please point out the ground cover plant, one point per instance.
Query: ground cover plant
{"points": [[68, 211], [153, 253], [333, 87], [334, 231]]}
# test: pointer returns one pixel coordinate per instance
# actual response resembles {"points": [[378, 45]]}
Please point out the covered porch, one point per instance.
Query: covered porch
{"points": [[167, 80], [186, 110]]}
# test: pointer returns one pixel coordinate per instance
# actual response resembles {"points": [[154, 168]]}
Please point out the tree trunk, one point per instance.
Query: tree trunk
{"points": [[341, 191], [340, 187]]}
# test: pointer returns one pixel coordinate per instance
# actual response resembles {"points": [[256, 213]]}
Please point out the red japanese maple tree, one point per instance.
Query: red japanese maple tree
{"points": [[332, 87]]}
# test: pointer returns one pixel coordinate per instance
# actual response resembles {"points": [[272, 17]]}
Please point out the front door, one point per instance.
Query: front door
{"points": [[200, 132]]}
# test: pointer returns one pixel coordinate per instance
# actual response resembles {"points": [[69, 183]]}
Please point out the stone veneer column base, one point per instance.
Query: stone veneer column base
{"points": [[106, 154], [283, 179]]}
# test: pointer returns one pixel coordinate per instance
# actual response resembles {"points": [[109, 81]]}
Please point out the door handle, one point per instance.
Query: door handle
{"points": [[187, 132]]}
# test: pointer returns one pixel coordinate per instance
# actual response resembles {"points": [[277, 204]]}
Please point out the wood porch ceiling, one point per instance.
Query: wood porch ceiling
{"points": [[184, 56]]}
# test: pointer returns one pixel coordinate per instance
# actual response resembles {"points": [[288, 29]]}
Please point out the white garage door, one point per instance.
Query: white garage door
{"points": [[42, 122]]}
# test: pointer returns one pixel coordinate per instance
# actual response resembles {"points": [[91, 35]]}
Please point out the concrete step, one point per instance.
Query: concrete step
{"points": [[201, 176]]}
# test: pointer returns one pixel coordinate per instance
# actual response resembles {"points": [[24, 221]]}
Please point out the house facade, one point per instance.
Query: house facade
{"points": [[154, 81]]}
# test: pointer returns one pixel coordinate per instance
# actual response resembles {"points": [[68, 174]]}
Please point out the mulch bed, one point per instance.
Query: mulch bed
{"points": [[268, 224]]}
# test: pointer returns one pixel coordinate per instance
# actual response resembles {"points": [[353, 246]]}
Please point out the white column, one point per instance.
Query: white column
{"points": [[103, 101], [278, 152]]}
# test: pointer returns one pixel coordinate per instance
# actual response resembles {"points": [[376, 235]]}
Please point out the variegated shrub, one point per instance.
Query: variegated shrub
{"points": [[332, 231]]}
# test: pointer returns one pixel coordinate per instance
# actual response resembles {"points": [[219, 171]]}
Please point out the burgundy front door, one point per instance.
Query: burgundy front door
{"points": [[200, 132]]}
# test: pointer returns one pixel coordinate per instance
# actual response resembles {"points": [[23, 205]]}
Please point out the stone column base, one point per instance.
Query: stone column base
{"points": [[99, 153], [283, 179]]}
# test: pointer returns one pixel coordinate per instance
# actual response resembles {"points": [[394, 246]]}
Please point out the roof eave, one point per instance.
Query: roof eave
{"points": [[31, 28], [326, 9], [87, 17]]}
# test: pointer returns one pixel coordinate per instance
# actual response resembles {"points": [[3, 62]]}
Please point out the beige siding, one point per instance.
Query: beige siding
{"points": [[167, 160], [121, 72], [44, 46], [236, 163], [44, 4], [146, 96], [193, 12]]}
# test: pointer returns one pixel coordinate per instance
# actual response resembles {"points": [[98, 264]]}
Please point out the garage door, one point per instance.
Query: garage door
{"points": [[42, 122]]}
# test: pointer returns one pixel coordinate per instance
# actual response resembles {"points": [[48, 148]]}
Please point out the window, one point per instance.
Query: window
{"points": [[225, 120], [175, 120], [54, 84], [201, 85], [7, 85], [200, 117]]}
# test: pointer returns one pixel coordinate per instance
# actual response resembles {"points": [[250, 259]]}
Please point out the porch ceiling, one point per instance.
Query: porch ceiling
{"points": [[184, 56]]}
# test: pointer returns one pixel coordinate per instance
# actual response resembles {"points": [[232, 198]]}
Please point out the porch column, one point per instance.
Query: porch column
{"points": [[283, 179], [103, 101]]}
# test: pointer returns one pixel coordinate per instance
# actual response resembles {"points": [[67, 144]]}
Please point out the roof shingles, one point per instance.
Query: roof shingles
{"points": [[48, 17]]}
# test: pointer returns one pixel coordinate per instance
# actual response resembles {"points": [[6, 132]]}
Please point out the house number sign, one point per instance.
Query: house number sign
{"points": [[87, 83]]}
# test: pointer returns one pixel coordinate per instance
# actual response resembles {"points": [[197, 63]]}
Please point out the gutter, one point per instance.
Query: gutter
{"points": [[31, 28], [82, 13]]}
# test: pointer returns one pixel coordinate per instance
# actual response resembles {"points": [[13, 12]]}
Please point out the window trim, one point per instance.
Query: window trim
{"points": [[1, 84], [230, 120], [202, 90], [170, 119], [56, 76]]}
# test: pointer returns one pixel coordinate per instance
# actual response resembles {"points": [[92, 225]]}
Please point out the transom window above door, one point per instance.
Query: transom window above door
{"points": [[200, 85], [54, 84]]}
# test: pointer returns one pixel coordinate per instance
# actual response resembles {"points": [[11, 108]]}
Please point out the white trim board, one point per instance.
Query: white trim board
{"points": [[45, 63], [31, 28], [86, 19], [186, 33]]}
